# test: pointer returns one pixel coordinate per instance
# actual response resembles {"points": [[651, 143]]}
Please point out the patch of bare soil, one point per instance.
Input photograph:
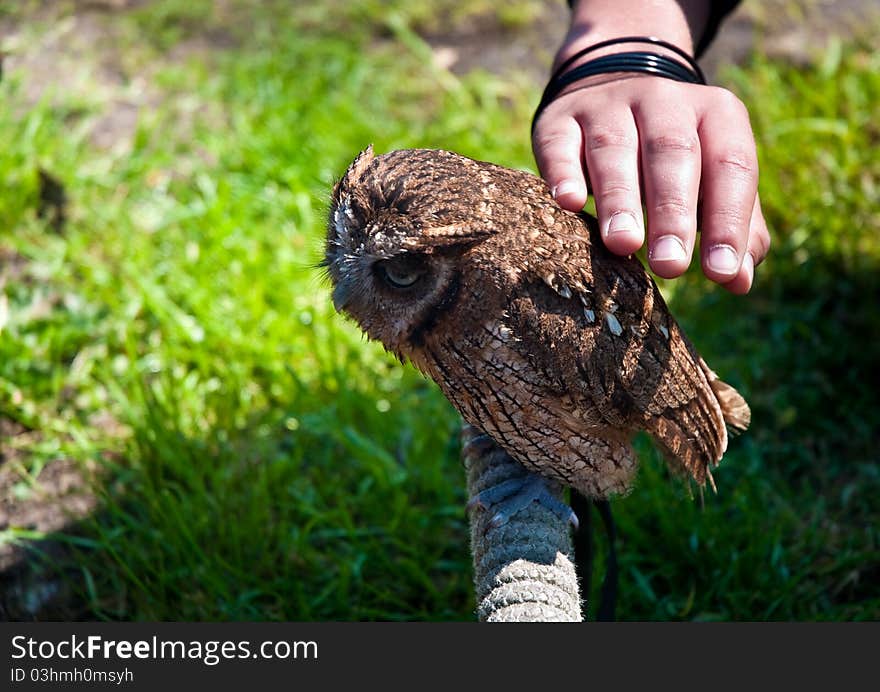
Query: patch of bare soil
{"points": [[30, 588], [483, 43], [796, 30], [58, 496]]}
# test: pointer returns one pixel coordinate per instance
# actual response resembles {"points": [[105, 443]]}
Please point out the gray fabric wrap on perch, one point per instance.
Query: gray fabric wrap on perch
{"points": [[523, 569]]}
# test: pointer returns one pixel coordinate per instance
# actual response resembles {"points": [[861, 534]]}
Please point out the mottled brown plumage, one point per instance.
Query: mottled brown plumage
{"points": [[555, 347]]}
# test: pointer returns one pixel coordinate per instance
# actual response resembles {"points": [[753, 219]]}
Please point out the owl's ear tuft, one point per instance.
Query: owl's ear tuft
{"points": [[354, 171], [360, 162]]}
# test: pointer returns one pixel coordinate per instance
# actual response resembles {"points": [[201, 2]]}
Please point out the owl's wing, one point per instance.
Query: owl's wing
{"points": [[598, 328]]}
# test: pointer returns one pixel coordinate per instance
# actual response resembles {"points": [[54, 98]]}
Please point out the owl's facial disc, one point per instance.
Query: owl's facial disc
{"points": [[396, 299]]}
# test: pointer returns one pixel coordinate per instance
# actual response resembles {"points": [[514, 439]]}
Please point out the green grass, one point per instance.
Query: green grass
{"points": [[265, 462]]}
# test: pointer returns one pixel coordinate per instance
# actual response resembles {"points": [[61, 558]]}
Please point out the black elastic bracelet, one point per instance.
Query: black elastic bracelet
{"points": [[638, 61], [654, 41], [650, 63]]}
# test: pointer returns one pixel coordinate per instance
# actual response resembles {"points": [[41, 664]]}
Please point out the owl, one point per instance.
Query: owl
{"points": [[556, 348]]}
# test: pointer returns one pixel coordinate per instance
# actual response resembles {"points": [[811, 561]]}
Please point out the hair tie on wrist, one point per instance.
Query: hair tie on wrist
{"points": [[636, 61]]}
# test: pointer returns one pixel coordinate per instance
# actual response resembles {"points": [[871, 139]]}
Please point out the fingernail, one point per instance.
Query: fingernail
{"points": [[723, 259], [622, 222], [564, 188], [749, 266], [668, 248]]}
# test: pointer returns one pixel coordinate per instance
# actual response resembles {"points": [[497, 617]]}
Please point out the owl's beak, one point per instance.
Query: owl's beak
{"points": [[342, 294]]}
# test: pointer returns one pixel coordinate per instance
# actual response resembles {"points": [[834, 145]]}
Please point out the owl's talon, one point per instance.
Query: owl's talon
{"points": [[497, 520], [516, 494], [496, 494]]}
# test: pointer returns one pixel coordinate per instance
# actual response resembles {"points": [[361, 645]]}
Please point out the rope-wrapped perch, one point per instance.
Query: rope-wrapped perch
{"points": [[523, 569]]}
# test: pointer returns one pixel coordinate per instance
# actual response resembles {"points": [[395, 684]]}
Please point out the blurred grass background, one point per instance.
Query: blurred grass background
{"points": [[245, 455]]}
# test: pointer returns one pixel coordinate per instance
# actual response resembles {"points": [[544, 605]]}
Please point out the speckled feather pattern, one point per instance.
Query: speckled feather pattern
{"points": [[538, 335]]}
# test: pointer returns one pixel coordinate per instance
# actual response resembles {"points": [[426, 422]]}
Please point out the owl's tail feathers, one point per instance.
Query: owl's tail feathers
{"points": [[734, 408], [687, 455], [694, 438]]}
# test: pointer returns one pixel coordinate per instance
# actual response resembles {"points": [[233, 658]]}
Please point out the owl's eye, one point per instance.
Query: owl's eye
{"points": [[400, 274]]}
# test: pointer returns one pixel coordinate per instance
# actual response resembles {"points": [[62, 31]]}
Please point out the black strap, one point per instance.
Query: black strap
{"points": [[583, 554], [608, 602], [583, 546]]}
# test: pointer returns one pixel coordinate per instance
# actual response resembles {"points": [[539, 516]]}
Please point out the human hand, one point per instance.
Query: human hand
{"points": [[686, 150]]}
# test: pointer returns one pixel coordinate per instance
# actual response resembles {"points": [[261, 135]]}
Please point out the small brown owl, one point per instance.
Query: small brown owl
{"points": [[555, 347]]}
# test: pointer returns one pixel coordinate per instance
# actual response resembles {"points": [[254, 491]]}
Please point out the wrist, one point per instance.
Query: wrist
{"points": [[593, 21]]}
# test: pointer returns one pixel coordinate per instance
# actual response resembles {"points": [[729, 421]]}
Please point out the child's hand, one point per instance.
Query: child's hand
{"points": [[684, 150]]}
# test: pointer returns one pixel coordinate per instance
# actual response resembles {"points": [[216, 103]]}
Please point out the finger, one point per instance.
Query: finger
{"points": [[557, 144], [611, 152], [729, 186], [759, 234], [671, 171], [758, 245]]}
